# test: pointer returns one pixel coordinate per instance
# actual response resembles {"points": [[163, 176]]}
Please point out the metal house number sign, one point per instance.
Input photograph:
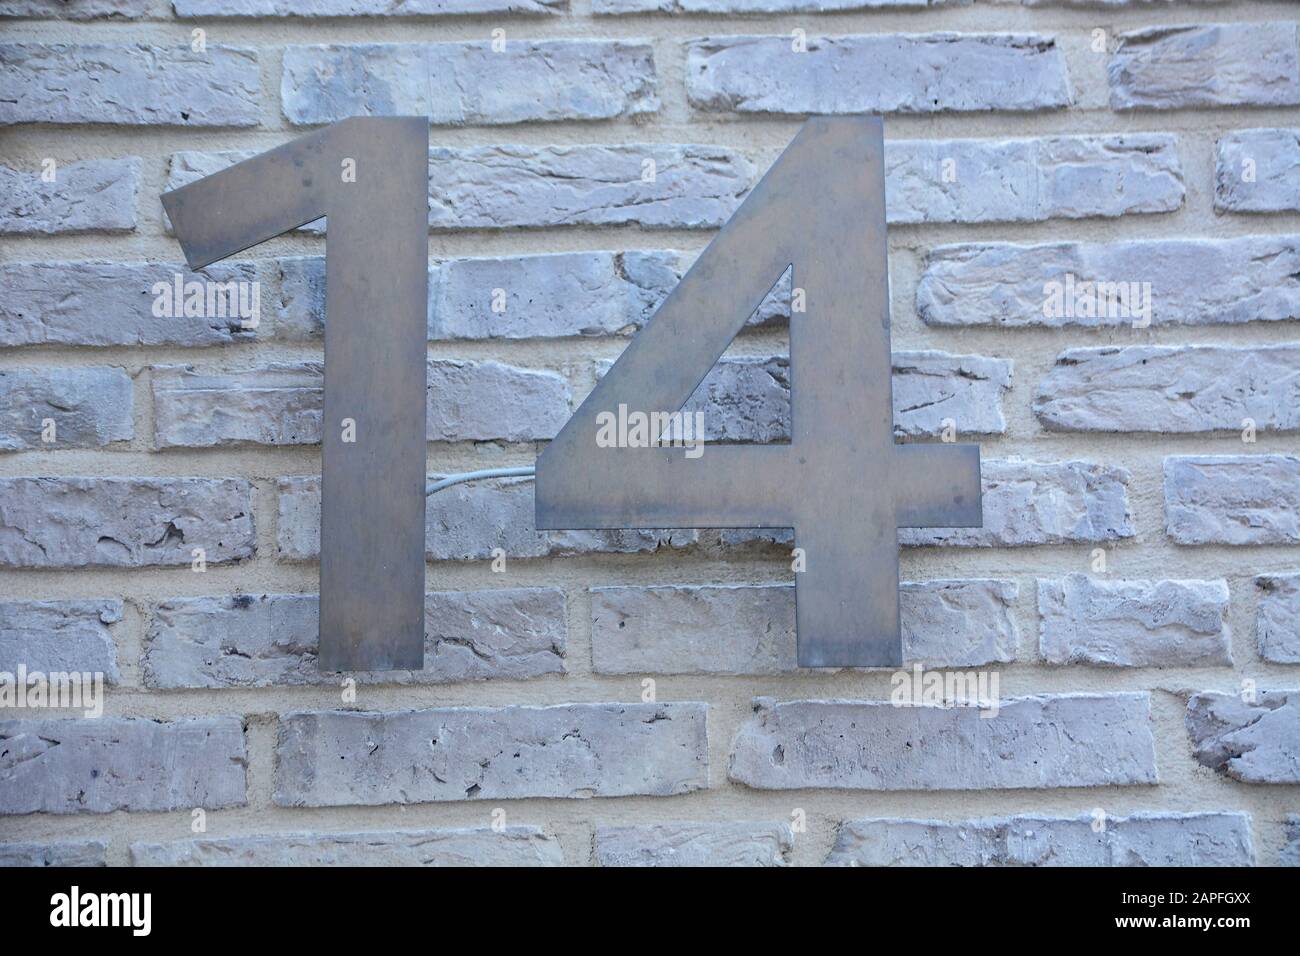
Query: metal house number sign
{"points": [[842, 483]]}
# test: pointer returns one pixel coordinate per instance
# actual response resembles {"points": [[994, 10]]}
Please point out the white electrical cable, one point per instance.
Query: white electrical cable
{"points": [[450, 480]]}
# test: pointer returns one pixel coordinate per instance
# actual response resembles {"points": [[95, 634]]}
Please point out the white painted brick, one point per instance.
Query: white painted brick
{"points": [[1145, 839], [1097, 621], [1277, 620], [114, 763], [748, 629], [467, 522], [339, 758], [1232, 499], [1258, 170], [271, 640], [60, 636], [215, 9], [129, 84], [281, 404], [1171, 389], [1081, 740], [85, 407], [1192, 281], [512, 846], [879, 73], [123, 522], [1217, 64], [93, 195], [458, 84], [62, 853], [1254, 742], [695, 844], [108, 303]]}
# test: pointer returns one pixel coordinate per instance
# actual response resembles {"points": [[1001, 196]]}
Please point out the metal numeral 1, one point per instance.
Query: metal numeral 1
{"points": [[369, 178]]}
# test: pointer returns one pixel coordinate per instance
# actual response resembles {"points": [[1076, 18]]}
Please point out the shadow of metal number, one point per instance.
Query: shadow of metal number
{"points": [[842, 484], [369, 178]]}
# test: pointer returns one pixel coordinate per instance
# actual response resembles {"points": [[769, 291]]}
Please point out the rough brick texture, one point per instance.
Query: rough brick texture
{"points": [[64, 408], [1277, 623], [469, 522], [123, 522], [1133, 623], [1170, 388], [111, 763], [695, 844], [281, 404], [750, 629], [469, 83], [1258, 170], [1255, 740], [1192, 282], [132, 85], [1229, 64], [106, 303], [512, 846], [79, 853], [271, 639], [902, 73], [1093, 273], [1033, 742], [96, 195], [60, 636], [338, 758], [1232, 499], [1193, 839]]}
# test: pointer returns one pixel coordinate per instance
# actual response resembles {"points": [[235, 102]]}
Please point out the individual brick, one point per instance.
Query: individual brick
{"points": [[1086, 620], [1258, 170], [468, 522], [1031, 180], [75, 9], [522, 297], [651, 185], [1277, 620], [1025, 503], [1254, 742], [110, 303], [747, 399], [695, 844], [1191, 282], [1143, 839], [215, 9], [72, 407], [121, 763], [63, 853], [749, 629], [60, 637], [615, 7], [1290, 855], [457, 84], [123, 522], [1078, 740], [96, 195], [129, 85], [281, 404], [1232, 499], [877, 73], [340, 758], [1217, 64], [1170, 389], [485, 846], [267, 640], [655, 185]]}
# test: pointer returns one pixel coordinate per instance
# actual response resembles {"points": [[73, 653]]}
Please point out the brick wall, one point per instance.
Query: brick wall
{"points": [[1136, 586]]}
